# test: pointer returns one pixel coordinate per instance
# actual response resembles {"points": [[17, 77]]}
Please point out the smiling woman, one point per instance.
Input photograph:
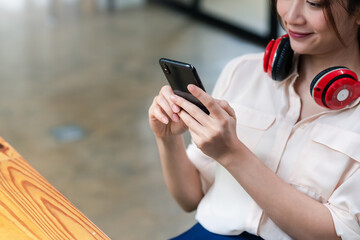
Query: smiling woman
{"points": [[269, 161], [351, 7], [308, 22]]}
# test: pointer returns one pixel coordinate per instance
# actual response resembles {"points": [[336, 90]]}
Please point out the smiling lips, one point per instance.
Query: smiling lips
{"points": [[298, 34]]}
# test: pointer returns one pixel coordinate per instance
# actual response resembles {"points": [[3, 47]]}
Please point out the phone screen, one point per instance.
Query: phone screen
{"points": [[179, 76]]}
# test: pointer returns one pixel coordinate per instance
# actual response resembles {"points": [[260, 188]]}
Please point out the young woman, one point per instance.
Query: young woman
{"points": [[269, 161]]}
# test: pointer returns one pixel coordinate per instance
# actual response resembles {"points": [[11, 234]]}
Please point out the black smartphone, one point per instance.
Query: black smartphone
{"points": [[179, 76]]}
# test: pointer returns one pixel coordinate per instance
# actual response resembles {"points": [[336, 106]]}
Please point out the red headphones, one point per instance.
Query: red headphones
{"points": [[333, 88]]}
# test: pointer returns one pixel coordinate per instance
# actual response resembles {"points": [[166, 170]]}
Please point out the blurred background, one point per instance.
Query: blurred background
{"points": [[76, 80]]}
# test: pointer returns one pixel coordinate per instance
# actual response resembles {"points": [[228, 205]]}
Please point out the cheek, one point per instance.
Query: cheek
{"points": [[319, 23], [348, 28], [281, 8]]}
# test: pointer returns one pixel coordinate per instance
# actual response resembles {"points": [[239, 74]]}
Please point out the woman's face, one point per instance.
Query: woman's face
{"points": [[309, 31]]}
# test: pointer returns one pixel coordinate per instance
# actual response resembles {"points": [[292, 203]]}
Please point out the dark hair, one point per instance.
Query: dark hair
{"points": [[351, 7]]}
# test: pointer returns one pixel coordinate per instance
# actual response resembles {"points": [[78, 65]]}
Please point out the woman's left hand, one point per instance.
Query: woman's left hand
{"points": [[214, 134]]}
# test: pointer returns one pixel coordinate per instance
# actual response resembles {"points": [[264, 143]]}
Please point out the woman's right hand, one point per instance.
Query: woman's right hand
{"points": [[163, 115]]}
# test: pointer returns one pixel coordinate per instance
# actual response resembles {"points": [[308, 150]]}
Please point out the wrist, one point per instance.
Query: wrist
{"points": [[238, 156], [172, 138], [169, 141]]}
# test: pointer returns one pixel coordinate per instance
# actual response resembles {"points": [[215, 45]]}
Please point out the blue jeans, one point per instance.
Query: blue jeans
{"points": [[198, 232]]}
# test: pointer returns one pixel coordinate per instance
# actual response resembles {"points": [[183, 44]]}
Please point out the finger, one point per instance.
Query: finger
{"points": [[167, 92], [226, 106], [164, 104], [156, 113], [208, 101], [168, 106], [191, 122], [194, 111]]}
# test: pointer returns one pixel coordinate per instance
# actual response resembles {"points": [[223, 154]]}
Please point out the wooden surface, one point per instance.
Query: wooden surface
{"points": [[31, 208]]}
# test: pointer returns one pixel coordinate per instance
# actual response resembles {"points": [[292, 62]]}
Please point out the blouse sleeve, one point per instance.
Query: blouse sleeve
{"points": [[344, 205], [204, 164]]}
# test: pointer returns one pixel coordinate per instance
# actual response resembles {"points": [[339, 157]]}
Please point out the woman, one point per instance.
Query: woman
{"points": [[269, 161]]}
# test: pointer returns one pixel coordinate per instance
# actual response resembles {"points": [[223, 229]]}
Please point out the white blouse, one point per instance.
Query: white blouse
{"points": [[319, 156]]}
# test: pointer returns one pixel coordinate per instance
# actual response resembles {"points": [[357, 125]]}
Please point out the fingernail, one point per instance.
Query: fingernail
{"points": [[191, 87], [175, 117], [175, 108], [165, 120], [173, 98]]}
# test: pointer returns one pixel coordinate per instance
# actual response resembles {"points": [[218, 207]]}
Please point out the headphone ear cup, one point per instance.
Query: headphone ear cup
{"points": [[282, 62], [267, 55], [335, 87], [318, 77]]}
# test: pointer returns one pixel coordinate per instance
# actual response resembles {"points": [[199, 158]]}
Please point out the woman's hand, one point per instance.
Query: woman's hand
{"points": [[163, 115], [214, 134]]}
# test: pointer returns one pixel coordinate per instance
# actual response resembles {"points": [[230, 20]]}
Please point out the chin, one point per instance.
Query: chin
{"points": [[303, 47], [302, 50]]}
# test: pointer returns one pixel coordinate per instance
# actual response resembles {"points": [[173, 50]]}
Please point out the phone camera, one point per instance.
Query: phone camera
{"points": [[165, 68]]}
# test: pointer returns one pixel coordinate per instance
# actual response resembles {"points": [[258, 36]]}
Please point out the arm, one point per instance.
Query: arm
{"points": [[181, 176], [295, 213]]}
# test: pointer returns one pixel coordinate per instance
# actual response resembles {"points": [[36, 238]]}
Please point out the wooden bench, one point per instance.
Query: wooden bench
{"points": [[31, 208]]}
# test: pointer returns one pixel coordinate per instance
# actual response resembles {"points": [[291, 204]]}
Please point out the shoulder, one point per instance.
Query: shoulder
{"points": [[238, 71], [243, 62]]}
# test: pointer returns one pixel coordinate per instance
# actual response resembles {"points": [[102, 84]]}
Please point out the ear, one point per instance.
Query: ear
{"points": [[358, 19], [358, 16]]}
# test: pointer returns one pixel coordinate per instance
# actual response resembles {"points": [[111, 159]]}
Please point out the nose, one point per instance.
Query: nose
{"points": [[295, 13]]}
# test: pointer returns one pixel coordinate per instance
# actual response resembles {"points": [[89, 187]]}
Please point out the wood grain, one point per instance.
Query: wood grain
{"points": [[31, 208]]}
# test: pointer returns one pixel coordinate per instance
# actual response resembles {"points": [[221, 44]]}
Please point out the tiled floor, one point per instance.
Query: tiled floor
{"points": [[70, 66]]}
